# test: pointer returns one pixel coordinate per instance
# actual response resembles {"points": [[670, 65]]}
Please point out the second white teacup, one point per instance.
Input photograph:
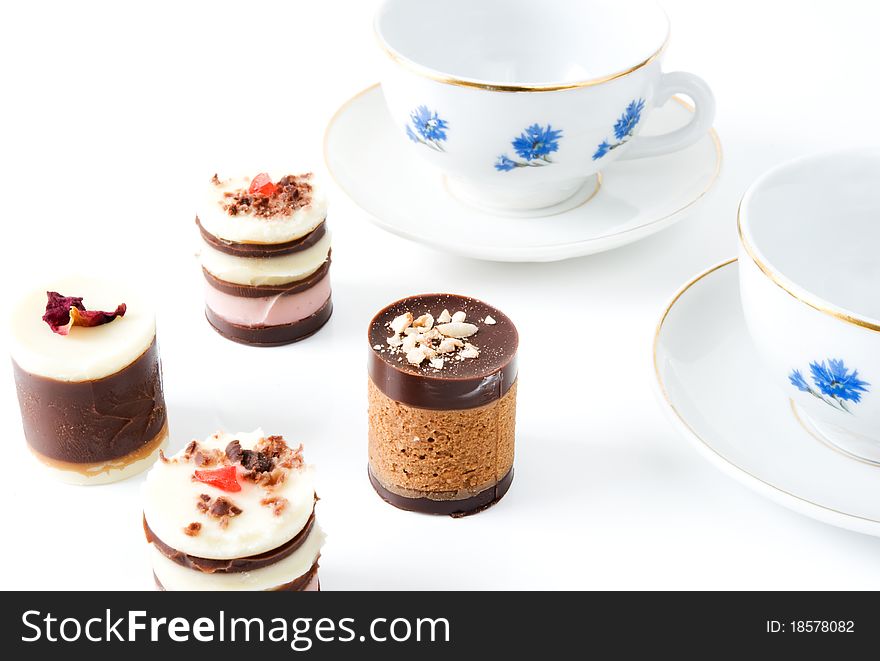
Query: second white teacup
{"points": [[521, 103], [810, 284]]}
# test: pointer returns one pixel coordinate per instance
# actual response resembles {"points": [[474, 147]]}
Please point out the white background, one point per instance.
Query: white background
{"points": [[114, 115]]}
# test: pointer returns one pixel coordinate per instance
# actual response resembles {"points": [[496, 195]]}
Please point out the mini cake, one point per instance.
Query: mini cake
{"points": [[442, 404], [89, 382], [266, 258], [235, 512]]}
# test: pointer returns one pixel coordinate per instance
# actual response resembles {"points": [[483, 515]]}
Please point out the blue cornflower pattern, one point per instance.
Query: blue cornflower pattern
{"points": [[624, 128], [427, 128], [533, 147], [833, 383]]}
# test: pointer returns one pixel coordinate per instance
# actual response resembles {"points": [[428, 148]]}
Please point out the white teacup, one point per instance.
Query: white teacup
{"points": [[810, 282], [522, 102]]}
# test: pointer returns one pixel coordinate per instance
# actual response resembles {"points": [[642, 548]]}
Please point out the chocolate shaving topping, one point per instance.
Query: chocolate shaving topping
{"points": [[219, 508], [233, 451], [223, 507], [208, 457], [193, 529], [215, 180], [63, 312], [256, 461], [292, 192]]}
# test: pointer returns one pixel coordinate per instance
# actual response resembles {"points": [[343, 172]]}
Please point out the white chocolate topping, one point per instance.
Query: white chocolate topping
{"points": [[266, 270], [245, 227], [85, 354], [171, 497]]}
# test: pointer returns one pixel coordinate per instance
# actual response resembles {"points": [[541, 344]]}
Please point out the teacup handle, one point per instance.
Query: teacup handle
{"points": [[704, 114]]}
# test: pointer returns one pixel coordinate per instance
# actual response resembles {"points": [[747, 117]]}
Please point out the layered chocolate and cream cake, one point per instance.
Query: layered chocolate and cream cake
{"points": [[266, 258], [89, 382], [233, 512], [442, 404]]}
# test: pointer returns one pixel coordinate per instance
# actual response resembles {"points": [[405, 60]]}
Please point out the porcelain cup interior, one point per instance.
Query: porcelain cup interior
{"points": [[521, 103], [810, 284]]}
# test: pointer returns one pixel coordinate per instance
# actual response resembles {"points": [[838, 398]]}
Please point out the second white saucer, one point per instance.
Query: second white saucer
{"points": [[406, 197], [717, 392]]}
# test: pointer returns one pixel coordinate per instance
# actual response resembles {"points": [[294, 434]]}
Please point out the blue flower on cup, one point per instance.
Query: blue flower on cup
{"points": [[533, 148], [833, 383], [624, 128], [427, 128]]}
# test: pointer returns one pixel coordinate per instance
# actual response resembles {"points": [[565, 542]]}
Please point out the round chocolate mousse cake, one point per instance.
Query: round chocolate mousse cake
{"points": [[89, 382], [266, 258], [233, 512], [442, 404]]}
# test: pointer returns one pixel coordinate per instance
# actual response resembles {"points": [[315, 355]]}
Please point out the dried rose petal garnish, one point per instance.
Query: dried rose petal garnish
{"points": [[222, 478], [63, 312], [262, 184]]}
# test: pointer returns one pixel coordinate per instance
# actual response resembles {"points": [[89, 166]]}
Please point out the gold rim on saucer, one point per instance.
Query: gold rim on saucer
{"points": [[662, 389]]}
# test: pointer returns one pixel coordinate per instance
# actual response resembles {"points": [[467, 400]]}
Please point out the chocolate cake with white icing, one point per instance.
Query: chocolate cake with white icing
{"points": [[89, 382], [233, 512], [265, 258]]}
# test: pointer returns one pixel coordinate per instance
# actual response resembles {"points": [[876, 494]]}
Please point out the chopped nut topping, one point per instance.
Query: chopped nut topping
{"points": [[401, 323], [416, 356], [489, 320], [423, 339], [277, 503], [457, 329], [220, 508], [425, 322], [287, 195], [205, 457], [193, 529], [470, 351]]}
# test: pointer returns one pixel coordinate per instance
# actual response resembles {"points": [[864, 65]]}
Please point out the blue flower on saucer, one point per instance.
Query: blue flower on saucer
{"points": [[533, 147], [624, 128], [833, 383], [427, 128]]}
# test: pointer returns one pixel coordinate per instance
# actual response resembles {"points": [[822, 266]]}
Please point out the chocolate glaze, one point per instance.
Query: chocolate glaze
{"points": [[454, 508], [259, 291], [256, 250], [85, 422], [296, 585], [271, 336], [232, 565], [462, 384]]}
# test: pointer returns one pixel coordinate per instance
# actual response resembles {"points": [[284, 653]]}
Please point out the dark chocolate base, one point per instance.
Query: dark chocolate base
{"points": [[454, 508], [271, 336]]}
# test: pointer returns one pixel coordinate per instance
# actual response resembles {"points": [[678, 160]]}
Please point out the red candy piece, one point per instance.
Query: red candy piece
{"points": [[262, 184], [63, 312], [222, 478]]}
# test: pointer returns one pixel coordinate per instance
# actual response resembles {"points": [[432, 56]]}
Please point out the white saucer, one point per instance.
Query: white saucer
{"points": [[717, 393], [407, 197]]}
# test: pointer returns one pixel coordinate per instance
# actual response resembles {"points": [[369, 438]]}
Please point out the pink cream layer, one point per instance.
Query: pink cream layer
{"points": [[268, 310]]}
